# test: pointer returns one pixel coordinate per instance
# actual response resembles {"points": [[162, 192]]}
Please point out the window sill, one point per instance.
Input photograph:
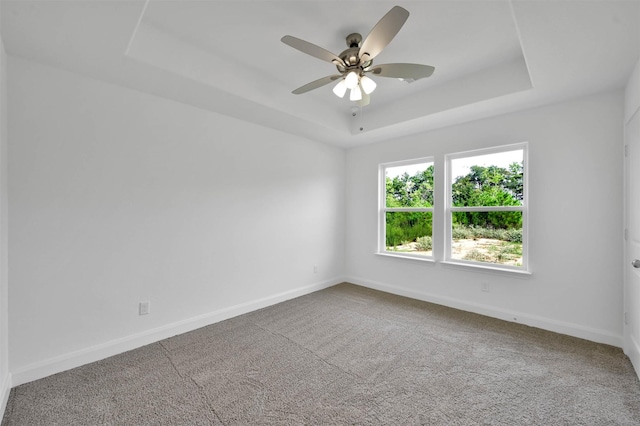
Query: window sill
{"points": [[486, 268], [459, 265], [408, 257]]}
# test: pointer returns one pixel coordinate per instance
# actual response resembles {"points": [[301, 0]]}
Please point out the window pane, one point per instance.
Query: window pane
{"points": [[409, 186], [488, 180], [409, 232], [490, 237]]}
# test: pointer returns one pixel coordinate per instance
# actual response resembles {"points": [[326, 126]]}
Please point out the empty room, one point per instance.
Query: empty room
{"points": [[319, 212]]}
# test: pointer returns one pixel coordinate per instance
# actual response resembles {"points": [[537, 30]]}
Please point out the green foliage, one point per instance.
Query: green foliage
{"points": [[477, 256], [504, 220], [407, 226], [460, 232], [411, 191], [513, 235], [489, 186], [486, 187], [424, 243]]}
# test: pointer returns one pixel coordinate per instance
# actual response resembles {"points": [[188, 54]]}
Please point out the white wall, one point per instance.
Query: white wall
{"points": [[575, 172], [117, 197], [5, 377]]}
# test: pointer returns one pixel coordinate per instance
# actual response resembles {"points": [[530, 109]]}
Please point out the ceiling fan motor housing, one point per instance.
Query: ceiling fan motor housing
{"points": [[351, 56], [354, 40]]}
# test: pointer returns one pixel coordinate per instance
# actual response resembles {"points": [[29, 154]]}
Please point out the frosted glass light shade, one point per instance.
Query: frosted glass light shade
{"points": [[351, 80], [367, 84], [356, 94], [340, 89]]}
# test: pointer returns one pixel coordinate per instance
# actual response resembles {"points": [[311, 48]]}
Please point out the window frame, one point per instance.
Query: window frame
{"points": [[383, 209], [449, 209]]}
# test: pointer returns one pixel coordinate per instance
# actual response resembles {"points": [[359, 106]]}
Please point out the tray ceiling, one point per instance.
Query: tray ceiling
{"points": [[490, 57]]}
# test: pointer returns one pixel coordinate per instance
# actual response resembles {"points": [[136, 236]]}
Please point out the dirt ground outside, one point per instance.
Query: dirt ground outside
{"points": [[480, 250]]}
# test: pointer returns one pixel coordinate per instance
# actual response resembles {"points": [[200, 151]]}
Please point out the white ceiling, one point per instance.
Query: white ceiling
{"points": [[490, 57]]}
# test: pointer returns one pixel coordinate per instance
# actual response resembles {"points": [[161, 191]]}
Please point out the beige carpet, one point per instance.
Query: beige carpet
{"points": [[345, 355]]}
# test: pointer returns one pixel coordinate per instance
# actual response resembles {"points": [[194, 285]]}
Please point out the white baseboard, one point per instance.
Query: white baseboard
{"points": [[4, 394], [74, 359], [570, 329], [632, 350]]}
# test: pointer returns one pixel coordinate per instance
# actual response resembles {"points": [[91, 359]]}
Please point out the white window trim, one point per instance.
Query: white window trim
{"points": [[523, 208], [383, 209]]}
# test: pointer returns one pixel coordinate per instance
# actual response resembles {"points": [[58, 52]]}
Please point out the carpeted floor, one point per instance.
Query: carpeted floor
{"points": [[345, 355]]}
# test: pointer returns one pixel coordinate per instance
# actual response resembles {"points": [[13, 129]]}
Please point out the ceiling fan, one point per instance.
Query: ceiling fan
{"points": [[356, 62]]}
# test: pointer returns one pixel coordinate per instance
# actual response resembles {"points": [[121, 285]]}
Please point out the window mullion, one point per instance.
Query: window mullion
{"points": [[408, 209], [487, 209]]}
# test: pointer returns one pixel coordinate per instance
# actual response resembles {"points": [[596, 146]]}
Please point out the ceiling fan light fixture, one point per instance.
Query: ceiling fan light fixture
{"points": [[340, 89], [355, 94], [367, 84], [351, 80]]}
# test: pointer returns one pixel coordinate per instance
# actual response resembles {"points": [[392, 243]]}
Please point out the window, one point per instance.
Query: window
{"points": [[486, 207], [482, 221], [406, 208]]}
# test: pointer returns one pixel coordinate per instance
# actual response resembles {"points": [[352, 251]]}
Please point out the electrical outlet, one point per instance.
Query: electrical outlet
{"points": [[315, 269], [485, 287], [144, 308]]}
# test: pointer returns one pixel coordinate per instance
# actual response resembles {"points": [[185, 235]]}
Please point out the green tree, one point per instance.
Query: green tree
{"points": [[411, 191], [489, 186]]}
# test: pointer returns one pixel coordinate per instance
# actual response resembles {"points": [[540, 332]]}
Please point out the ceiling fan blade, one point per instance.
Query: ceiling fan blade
{"points": [[407, 71], [382, 34], [312, 49], [315, 84]]}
